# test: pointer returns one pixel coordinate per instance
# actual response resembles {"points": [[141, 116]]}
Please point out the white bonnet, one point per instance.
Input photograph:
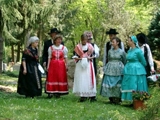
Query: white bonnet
{"points": [[32, 39]]}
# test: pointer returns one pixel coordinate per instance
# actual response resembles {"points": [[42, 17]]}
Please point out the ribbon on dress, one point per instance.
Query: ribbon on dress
{"points": [[79, 51], [92, 73]]}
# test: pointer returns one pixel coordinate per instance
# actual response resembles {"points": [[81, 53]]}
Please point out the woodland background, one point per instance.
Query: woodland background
{"points": [[20, 19]]}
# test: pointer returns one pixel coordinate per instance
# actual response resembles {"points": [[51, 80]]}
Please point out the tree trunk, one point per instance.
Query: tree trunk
{"points": [[102, 42], [40, 41], [18, 52], [1, 51], [12, 49]]}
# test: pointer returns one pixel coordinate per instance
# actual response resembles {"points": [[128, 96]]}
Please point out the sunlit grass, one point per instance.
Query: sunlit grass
{"points": [[17, 107]]}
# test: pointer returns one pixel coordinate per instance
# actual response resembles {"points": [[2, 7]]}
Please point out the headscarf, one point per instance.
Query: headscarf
{"points": [[32, 40], [89, 35], [135, 41]]}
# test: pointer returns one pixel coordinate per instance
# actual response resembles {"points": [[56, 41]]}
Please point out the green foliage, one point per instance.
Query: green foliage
{"points": [[152, 112], [154, 36], [100, 64]]}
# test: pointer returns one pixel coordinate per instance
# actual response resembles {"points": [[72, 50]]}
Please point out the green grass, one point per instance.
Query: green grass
{"points": [[16, 107]]}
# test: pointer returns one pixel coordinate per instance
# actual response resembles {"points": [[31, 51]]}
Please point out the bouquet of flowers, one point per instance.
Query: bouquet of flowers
{"points": [[155, 77], [140, 95], [158, 74]]}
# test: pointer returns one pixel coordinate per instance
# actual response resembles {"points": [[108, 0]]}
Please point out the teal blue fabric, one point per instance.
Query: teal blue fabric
{"points": [[111, 86], [135, 63], [112, 79], [135, 41], [134, 74]]}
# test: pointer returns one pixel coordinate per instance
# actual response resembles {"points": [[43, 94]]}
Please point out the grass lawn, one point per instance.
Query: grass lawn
{"points": [[16, 107]]}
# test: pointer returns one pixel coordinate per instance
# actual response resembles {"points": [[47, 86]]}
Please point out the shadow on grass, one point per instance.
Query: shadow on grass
{"points": [[11, 74]]}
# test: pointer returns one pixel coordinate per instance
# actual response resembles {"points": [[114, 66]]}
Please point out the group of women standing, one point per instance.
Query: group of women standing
{"points": [[122, 74]]}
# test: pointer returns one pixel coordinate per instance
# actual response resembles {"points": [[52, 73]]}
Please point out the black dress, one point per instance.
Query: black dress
{"points": [[30, 84]]}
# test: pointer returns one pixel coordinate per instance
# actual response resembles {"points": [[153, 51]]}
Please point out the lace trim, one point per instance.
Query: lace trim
{"points": [[107, 86], [84, 93], [57, 91], [56, 83], [37, 78], [126, 90]]}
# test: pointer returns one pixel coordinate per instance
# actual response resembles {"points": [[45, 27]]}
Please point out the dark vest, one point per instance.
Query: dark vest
{"points": [[94, 62]]}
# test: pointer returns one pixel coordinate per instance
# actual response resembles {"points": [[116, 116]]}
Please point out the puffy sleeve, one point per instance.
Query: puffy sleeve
{"points": [[65, 52], [141, 57], [49, 52], [122, 45], [150, 58], [96, 49]]}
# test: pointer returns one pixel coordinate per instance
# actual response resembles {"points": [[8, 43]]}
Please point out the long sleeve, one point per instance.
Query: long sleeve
{"points": [[124, 58], [150, 58], [96, 49], [141, 57], [24, 55], [104, 57], [122, 45]]}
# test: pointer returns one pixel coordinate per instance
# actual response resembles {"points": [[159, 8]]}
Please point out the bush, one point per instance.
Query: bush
{"points": [[152, 112]]}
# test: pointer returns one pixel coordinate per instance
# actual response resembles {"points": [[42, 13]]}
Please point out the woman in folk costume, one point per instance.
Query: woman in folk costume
{"points": [[84, 77], [142, 42], [134, 71], [112, 79], [57, 66], [29, 81]]}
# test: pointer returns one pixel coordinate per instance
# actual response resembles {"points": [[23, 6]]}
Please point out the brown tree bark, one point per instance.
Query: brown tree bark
{"points": [[40, 35], [12, 49], [18, 52]]}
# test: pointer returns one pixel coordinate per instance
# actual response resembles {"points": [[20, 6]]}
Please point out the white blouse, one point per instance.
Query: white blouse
{"points": [[149, 55], [96, 49], [65, 50]]}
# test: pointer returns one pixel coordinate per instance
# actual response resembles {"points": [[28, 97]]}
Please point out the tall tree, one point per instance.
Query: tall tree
{"points": [[154, 34], [9, 15]]}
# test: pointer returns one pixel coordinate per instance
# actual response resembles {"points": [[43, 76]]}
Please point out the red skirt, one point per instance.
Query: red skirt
{"points": [[57, 78]]}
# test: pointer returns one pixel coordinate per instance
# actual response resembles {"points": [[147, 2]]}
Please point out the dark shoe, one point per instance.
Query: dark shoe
{"points": [[26, 96], [131, 105], [93, 99], [111, 100], [82, 99], [50, 95], [57, 96], [117, 100]]}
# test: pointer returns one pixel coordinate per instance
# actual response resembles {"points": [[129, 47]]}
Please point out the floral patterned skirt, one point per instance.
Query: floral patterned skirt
{"points": [[110, 86]]}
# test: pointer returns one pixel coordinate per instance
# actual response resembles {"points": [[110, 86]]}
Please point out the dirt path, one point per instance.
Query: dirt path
{"points": [[7, 88]]}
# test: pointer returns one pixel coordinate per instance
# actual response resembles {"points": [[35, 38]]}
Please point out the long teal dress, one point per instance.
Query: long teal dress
{"points": [[134, 74], [112, 79]]}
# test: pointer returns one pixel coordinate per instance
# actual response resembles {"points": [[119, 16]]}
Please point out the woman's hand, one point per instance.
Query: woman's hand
{"points": [[66, 68], [90, 58], [78, 58], [24, 71], [47, 69], [153, 71]]}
